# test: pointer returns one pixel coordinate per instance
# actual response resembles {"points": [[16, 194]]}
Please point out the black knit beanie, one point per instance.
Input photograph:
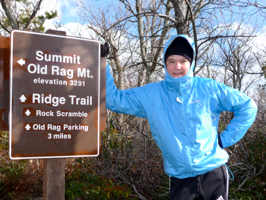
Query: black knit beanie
{"points": [[180, 46]]}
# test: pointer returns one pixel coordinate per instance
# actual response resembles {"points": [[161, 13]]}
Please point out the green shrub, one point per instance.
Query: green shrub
{"points": [[84, 185], [12, 173], [252, 171]]}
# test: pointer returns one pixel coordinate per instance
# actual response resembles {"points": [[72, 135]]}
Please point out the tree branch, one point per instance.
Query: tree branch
{"points": [[4, 27], [194, 31], [140, 63], [167, 17], [13, 23], [33, 15]]}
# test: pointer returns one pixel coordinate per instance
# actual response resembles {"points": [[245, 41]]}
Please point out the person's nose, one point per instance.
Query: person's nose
{"points": [[178, 65]]}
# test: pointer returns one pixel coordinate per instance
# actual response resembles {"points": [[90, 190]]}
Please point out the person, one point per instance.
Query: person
{"points": [[183, 114]]}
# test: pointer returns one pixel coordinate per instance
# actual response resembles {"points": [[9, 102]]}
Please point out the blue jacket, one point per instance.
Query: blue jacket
{"points": [[183, 114]]}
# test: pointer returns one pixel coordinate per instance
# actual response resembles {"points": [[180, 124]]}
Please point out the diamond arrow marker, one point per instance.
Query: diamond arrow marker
{"points": [[28, 112], [22, 98], [27, 127], [21, 62]]}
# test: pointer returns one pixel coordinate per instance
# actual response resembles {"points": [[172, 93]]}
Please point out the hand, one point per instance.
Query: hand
{"points": [[104, 49]]}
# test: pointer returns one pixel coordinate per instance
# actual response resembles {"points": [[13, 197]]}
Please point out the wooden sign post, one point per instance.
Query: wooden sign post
{"points": [[54, 170], [54, 179]]}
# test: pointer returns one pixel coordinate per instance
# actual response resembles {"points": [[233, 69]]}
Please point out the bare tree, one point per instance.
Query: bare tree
{"points": [[23, 15], [239, 63], [152, 31], [207, 21]]}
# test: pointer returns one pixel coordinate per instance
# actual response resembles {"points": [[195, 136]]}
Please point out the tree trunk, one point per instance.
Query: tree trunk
{"points": [[180, 8]]}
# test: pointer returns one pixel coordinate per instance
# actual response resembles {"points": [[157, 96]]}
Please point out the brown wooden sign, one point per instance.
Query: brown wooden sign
{"points": [[56, 94]]}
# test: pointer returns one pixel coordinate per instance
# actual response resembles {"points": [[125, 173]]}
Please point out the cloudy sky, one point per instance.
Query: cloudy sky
{"points": [[67, 13], [67, 10]]}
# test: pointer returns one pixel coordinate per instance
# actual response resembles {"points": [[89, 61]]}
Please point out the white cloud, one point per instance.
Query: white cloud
{"points": [[77, 30], [48, 6], [66, 11], [259, 42]]}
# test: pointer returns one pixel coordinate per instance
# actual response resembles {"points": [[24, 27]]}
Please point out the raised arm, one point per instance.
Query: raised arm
{"points": [[130, 101]]}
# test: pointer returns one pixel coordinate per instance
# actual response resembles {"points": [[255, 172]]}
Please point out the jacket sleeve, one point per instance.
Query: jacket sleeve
{"points": [[244, 110], [130, 101]]}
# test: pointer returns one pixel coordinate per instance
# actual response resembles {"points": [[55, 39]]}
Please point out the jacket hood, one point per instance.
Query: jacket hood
{"points": [[174, 83]]}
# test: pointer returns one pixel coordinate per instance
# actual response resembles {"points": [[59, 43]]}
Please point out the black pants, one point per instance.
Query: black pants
{"points": [[210, 186]]}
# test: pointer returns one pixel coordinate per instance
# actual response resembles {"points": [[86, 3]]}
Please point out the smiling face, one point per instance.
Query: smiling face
{"points": [[177, 66]]}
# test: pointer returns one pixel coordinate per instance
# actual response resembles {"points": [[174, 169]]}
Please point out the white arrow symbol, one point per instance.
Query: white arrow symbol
{"points": [[27, 127], [21, 62], [22, 98], [28, 112]]}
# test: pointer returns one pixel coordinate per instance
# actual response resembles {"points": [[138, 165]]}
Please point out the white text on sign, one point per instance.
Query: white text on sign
{"points": [[57, 58], [59, 113], [55, 70], [59, 136], [56, 101], [57, 127]]}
